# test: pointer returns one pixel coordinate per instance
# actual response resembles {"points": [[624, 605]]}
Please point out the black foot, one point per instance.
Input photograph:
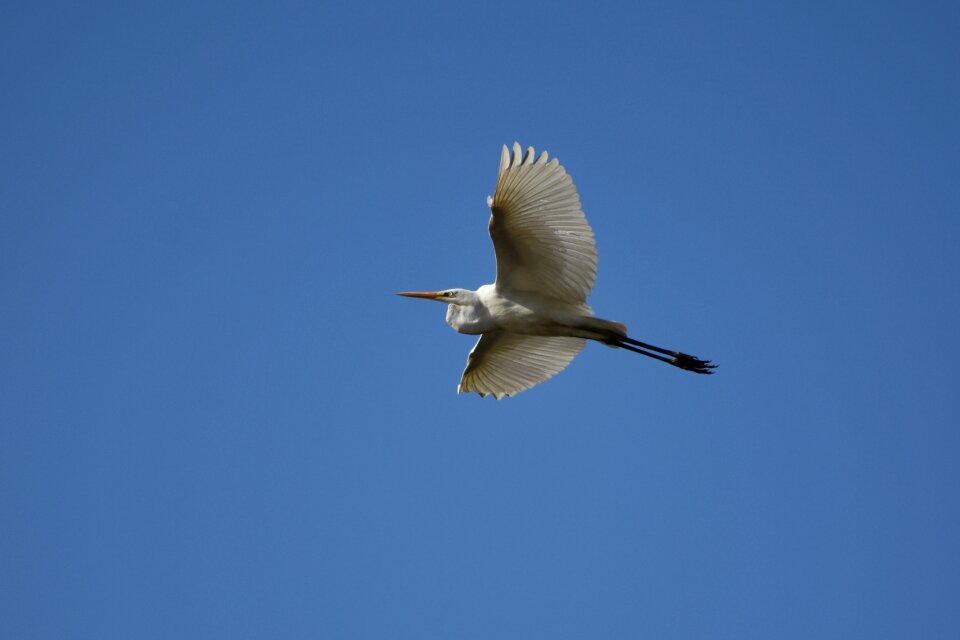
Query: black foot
{"points": [[690, 363]]}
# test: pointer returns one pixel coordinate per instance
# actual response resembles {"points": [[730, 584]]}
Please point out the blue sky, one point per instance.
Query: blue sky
{"points": [[219, 422]]}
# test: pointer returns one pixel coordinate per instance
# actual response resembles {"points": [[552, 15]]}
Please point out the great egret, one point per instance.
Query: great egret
{"points": [[535, 318]]}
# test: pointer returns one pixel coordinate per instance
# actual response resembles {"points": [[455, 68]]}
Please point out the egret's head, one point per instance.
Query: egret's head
{"points": [[450, 296]]}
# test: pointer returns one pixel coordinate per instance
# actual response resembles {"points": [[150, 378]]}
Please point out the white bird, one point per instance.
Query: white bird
{"points": [[535, 318]]}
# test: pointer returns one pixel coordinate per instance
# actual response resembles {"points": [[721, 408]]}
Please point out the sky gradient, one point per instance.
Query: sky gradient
{"points": [[219, 422]]}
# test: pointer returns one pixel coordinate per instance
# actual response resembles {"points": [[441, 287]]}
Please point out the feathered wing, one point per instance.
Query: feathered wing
{"points": [[543, 242], [504, 363]]}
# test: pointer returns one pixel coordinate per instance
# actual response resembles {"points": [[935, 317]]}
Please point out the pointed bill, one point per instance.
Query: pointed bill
{"points": [[429, 295]]}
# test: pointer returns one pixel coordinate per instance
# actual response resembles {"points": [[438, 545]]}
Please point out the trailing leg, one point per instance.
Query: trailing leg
{"points": [[676, 358]]}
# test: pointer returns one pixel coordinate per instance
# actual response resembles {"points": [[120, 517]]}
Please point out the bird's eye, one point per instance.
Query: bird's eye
{"points": [[448, 294]]}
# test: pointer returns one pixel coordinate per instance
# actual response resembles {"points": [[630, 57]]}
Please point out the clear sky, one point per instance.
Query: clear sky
{"points": [[219, 422]]}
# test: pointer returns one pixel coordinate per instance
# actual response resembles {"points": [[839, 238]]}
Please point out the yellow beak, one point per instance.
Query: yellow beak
{"points": [[429, 295]]}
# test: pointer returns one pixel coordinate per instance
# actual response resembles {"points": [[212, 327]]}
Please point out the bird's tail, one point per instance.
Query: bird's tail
{"points": [[615, 335]]}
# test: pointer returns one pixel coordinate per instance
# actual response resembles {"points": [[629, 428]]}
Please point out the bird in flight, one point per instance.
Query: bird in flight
{"points": [[535, 318]]}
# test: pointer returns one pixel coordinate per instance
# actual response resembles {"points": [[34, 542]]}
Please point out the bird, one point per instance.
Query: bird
{"points": [[534, 319]]}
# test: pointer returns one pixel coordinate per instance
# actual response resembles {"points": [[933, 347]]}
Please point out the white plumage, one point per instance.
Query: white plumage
{"points": [[535, 318], [543, 242], [504, 363]]}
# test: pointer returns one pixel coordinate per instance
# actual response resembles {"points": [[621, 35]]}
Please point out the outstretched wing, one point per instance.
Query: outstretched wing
{"points": [[542, 239], [504, 363]]}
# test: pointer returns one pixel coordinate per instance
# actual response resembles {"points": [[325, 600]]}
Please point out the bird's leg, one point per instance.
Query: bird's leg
{"points": [[626, 346], [682, 360]]}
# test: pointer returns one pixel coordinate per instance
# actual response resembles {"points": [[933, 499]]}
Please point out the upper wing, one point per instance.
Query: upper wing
{"points": [[504, 363], [542, 239]]}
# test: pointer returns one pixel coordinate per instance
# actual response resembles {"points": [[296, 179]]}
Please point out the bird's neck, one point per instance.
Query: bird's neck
{"points": [[471, 318]]}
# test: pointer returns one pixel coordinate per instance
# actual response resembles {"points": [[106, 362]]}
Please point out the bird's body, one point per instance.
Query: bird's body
{"points": [[486, 310], [535, 319]]}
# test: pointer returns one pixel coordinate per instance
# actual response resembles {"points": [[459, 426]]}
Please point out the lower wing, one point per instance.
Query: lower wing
{"points": [[504, 363]]}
